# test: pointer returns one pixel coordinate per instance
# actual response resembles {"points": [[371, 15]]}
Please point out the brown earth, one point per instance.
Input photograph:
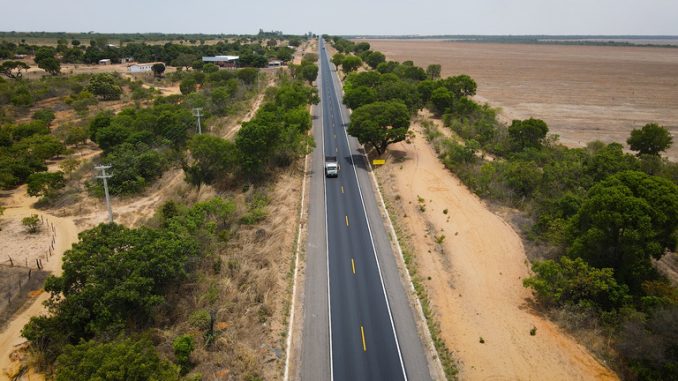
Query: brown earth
{"points": [[584, 93], [472, 264]]}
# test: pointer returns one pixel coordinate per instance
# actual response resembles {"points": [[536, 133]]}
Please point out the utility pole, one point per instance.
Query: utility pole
{"points": [[105, 177], [197, 112]]}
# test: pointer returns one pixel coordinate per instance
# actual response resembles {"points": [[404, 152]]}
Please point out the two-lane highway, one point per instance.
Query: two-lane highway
{"points": [[358, 320], [364, 345]]}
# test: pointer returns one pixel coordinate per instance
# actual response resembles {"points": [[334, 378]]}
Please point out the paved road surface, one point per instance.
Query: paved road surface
{"points": [[370, 333]]}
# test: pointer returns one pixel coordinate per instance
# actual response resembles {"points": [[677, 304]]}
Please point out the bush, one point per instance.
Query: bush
{"points": [[183, 347], [573, 281], [119, 360], [31, 223]]}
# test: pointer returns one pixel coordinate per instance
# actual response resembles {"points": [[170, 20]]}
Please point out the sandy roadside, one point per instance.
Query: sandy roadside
{"points": [[474, 278], [18, 206]]}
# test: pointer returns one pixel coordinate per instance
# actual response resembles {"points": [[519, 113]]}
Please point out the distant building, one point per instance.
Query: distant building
{"points": [[105, 61], [275, 63], [127, 59], [223, 61], [140, 68]]}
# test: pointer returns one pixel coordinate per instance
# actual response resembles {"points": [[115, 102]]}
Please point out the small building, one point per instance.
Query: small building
{"points": [[275, 63], [105, 61], [140, 68], [223, 61], [126, 60]]}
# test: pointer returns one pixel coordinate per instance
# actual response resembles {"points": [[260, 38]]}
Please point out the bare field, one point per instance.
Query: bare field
{"points": [[584, 93]]}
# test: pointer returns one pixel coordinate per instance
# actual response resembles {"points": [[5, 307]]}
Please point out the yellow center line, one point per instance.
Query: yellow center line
{"points": [[362, 333], [342, 189], [353, 265], [346, 220]]}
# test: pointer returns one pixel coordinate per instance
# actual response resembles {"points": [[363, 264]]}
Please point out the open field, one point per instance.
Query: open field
{"points": [[583, 92]]}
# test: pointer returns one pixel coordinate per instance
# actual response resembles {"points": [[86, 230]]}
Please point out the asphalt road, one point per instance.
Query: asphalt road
{"points": [[367, 331]]}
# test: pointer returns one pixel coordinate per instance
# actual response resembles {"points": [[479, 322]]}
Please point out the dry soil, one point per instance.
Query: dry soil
{"points": [[584, 93], [473, 263]]}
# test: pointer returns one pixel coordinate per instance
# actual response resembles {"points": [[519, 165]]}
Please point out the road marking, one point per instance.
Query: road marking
{"points": [[362, 333], [342, 189], [336, 150], [346, 220], [353, 265]]}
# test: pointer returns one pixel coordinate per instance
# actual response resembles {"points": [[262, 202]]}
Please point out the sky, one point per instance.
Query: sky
{"points": [[346, 17]]}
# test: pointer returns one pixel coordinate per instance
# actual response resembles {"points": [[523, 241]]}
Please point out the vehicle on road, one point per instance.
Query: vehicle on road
{"points": [[331, 166]]}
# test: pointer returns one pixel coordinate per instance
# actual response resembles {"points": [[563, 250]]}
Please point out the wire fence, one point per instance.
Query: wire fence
{"points": [[37, 260], [23, 273]]}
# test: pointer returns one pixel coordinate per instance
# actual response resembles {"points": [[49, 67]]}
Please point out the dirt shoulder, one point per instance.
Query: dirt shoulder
{"points": [[474, 275]]}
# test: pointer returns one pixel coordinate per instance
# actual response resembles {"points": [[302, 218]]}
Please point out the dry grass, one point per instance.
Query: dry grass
{"points": [[244, 284]]}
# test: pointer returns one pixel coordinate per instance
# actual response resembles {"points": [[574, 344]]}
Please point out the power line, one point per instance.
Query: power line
{"points": [[197, 112], [104, 176]]}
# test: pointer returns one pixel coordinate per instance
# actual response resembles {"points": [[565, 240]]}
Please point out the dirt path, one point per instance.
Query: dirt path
{"points": [[19, 206], [474, 278], [230, 132]]}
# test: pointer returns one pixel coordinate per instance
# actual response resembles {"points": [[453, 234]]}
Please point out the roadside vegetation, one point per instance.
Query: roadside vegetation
{"points": [[600, 217], [179, 296]]}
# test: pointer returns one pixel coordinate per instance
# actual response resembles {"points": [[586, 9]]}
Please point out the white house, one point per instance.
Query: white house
{"points": [[139, 68], [105, 61], [275, 63]]}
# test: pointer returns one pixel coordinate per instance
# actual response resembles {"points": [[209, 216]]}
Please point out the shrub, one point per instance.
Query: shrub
{"points": [[31, 223], [183, 347]]}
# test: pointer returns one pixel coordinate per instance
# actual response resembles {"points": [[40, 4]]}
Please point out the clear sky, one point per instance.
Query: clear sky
{"points": [[388, 17]]}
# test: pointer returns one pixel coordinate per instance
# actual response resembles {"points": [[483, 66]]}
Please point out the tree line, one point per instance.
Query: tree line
{"points": [[602, 216]]}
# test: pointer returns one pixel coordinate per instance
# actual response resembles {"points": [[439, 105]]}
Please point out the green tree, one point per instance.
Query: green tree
{"points": [[248, 75], [309, 72], [187, 85], [210, 68], [374, 59], [12, 69], [46, 115], [39, 147], [338, 59], [184, 60], [104, 86], [50, 65], [45, 184], [127, 359], [626, 221], [442, 99], [574, 282], [527, 133], [433, 71], [24, 130], [380, 124], [355, 97], [158, 69], [460, 86], [652, 139], [350, 63], [361, 47], [214, 158]]}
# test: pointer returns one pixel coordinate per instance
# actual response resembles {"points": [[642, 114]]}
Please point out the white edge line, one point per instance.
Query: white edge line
{"points": [[296, 267], [394, 237], [327, 247], [374, 250]]}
